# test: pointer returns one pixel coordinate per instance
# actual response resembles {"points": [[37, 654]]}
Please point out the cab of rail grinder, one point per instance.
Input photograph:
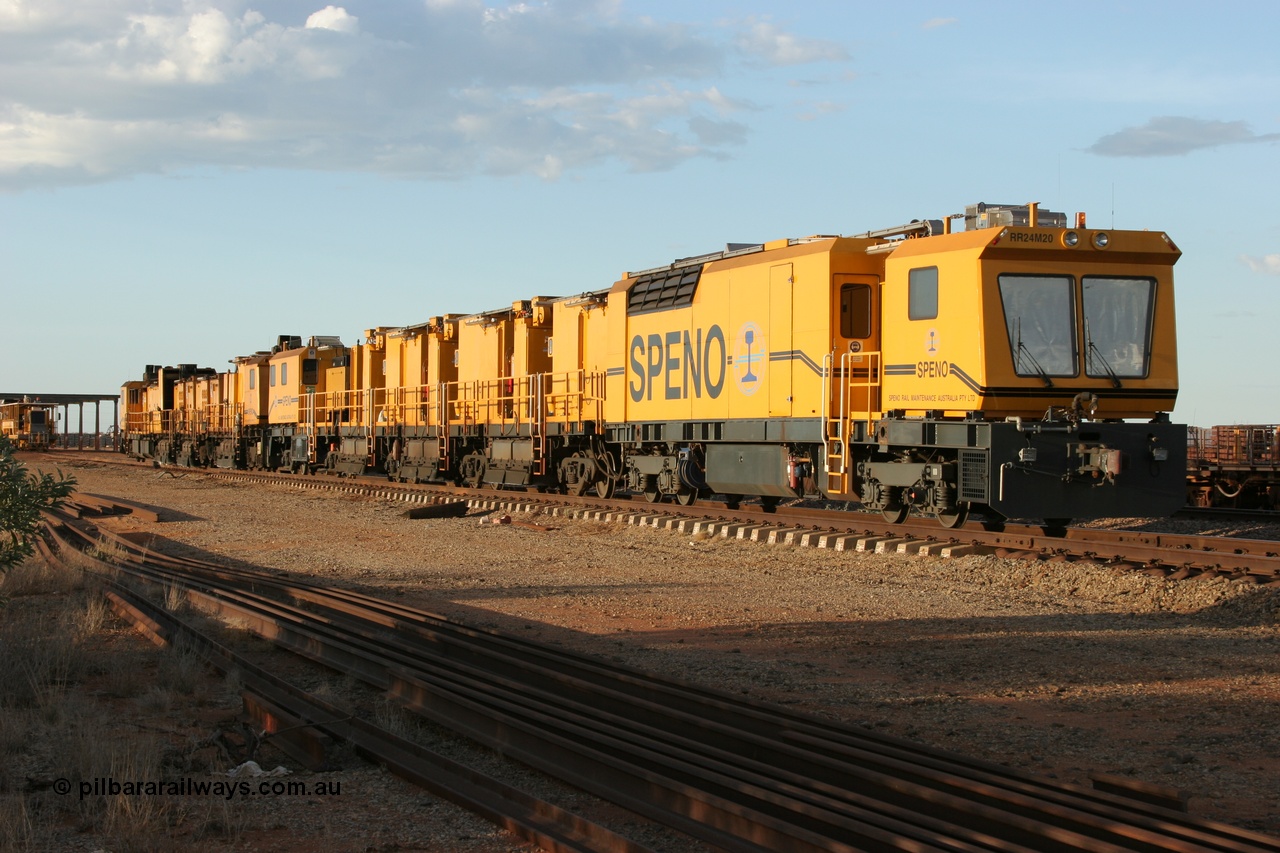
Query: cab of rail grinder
{"points": [[1014, 353]]}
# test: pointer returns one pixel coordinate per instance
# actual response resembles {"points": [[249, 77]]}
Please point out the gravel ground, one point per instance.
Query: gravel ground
{"points": [[1055, 668]]}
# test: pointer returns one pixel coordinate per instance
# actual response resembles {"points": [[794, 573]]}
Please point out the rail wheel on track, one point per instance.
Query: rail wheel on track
{"points": [[894, 513], [651, 493], [952, 520]]}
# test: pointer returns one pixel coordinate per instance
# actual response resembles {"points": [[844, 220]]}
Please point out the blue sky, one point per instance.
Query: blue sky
{"points": [[183, 181]]}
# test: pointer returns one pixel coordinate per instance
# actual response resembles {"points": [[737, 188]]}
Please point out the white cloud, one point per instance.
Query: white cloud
{"points": [[333, 18], [818, 109], [1167, 136], [38, 147], [165, 49], [934, 23], [772, 45], [715, 133], [434, 88], [29, 15], [1269, 264]]}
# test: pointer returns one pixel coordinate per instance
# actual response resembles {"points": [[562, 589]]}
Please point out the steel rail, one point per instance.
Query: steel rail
{"points": [[531, 679], [323, 643], [509, 655], [1174, 555], [1180, 554], [535, 675], [358, 654], [540, 676], [1186, 834], [529, 818], [1223, 513], [1189, 511]]}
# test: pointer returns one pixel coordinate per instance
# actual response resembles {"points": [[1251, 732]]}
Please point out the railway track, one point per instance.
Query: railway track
{"points": [[1229, 514], [735, 774], [1179, 556]]}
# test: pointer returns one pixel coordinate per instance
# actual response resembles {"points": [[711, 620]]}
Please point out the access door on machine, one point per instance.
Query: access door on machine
{"points": [[780, 325], [857, 341]]}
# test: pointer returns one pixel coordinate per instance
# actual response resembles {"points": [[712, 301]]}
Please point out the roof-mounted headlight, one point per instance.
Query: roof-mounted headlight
{"points": [[1101, 240], [1071, 239]]}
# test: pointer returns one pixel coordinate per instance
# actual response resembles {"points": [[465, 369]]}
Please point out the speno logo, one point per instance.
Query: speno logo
{"points": [[677, 364], [749, 357]]}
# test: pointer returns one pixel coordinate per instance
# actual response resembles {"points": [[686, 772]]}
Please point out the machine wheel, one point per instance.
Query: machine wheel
{"points": [[571, 480], [769, 503], [894, 513], [686, 496], [732, 501], [952, 520], [475, 464], [651, 493], [604, 488], [1056, 526]]}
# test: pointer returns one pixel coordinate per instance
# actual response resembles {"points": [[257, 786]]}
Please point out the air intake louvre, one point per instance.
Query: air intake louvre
{"points": [[658, 291], [974, 486]]}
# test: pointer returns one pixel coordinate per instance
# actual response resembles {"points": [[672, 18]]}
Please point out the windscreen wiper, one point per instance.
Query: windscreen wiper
{"points": [[1093, 350], [1022, 348]]}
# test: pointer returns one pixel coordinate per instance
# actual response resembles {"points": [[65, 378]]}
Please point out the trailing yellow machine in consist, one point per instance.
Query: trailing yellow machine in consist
{"points": [[422, 368], [259, 414], [1020, 367], [297, 374], [172, 413]]}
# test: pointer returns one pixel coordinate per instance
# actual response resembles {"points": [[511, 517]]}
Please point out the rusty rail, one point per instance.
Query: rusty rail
{"points": [[530, 818], [735, 774], [1170, 554], [1173, 555]]}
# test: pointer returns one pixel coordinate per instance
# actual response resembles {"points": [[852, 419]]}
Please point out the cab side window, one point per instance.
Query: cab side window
{"points": [[855, 311], [922, 293]]}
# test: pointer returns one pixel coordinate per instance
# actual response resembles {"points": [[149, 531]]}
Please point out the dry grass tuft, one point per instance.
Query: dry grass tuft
{"points": [[37, 577], [15, 734], [109, 552], [392, 717], [17, 829], [90, 619], [157, 700], [39, 660], [175, 599], [181, 668], [338, 687], [221, 820], [51, 644], [127, 822]]}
